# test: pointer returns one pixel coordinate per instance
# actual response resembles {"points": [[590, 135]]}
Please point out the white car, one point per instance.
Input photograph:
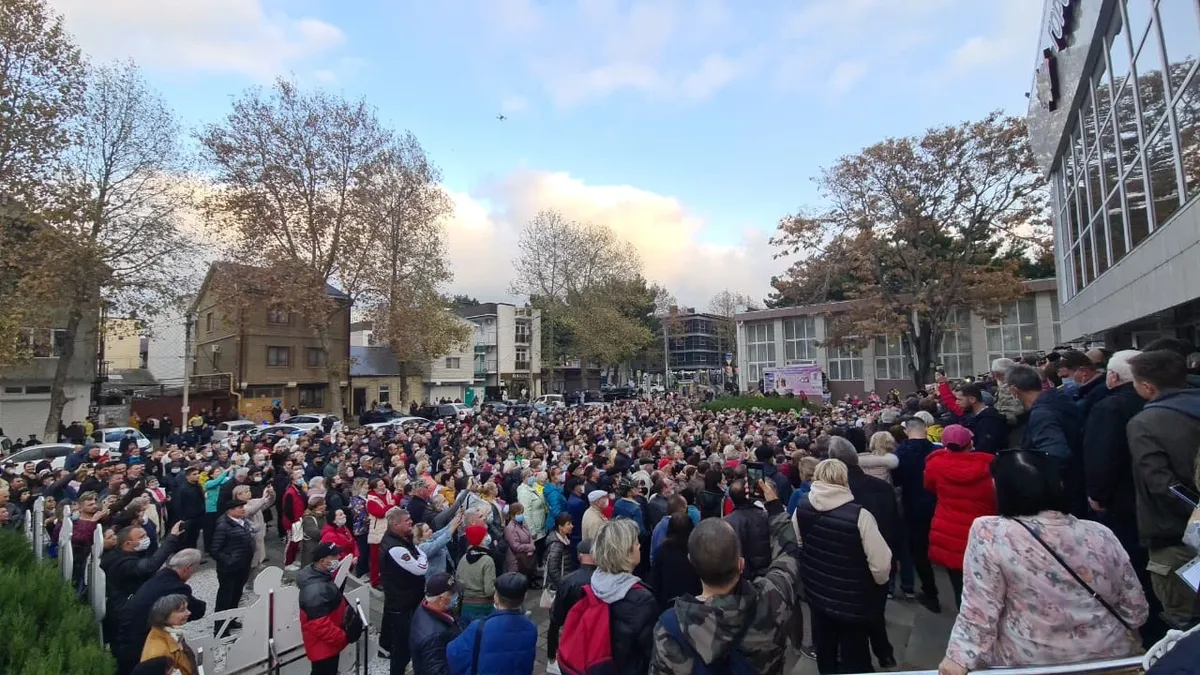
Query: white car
{"points": [[226, 429], [271, 429], [113, 436], [464, 410], [55, 452], [552, 400], [307, 422], [398, 422]]}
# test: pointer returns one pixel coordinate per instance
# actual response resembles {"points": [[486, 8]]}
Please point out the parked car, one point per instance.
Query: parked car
{"points": [[620, 394], [113, 436], [307, 422], [445, 411], [581, 397], [496, 407], [405, 421], [271, 429], [226, 429], [551, 400], [55, 452]]}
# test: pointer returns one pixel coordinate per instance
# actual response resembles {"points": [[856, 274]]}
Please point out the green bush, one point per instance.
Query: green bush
{"points": [[778, 403], [44, 630]]}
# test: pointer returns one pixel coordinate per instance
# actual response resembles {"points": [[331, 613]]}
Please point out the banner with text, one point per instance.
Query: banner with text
{"points": [[802, 380]]}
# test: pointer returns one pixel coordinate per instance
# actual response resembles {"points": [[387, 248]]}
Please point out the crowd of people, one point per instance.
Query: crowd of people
{"points": [[1058, 497]]}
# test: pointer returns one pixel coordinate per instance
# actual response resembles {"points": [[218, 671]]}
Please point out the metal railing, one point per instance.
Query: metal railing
{"points": [[1130, 665]]}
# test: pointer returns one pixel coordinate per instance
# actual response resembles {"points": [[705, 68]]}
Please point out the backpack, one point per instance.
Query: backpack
{"points": [[586, 644], [733, 663]]}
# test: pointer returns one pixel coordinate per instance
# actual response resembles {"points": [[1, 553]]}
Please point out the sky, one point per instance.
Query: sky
{"points": [[690, 127]]}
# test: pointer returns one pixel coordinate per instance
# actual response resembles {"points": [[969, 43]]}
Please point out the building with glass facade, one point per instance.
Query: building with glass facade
{"points": [[793, 335], [1114, 119]]}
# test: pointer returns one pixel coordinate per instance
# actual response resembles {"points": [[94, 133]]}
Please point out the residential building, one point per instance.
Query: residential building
{"points": [[1114, 123], [269, 352], [697, 345], [166, 337], [125, 347], [507, 343], [378, 376], [794, 335], [25, 388]]}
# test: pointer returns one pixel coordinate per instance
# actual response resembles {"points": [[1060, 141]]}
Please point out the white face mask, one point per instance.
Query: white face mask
{"points": [[143, 544]]}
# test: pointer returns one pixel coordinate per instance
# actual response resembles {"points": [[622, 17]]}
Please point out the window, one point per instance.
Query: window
{"points": [[452, 362], [312, 395], [800, 339], [385, 393], [279, 317], [317, 357], [955, 355], [44, 343], [845, 363], [14, 390], [522, 332], [760, 350], [37, 389], [522, 359], [279, 357], [890, 360], [1015, 334], [264, 392], [208, 322]]}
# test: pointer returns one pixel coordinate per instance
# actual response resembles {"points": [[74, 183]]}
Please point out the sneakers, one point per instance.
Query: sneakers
{"points": [[808, 652], [552, 668], [292, 568], [887, 664], [930, 603]]}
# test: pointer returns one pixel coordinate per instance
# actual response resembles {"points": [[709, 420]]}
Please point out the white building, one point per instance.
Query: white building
{"points": [[25, 389], [507, 346]]}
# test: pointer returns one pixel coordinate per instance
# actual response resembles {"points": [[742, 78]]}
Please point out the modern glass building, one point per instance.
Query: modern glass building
{"points": [[1114, 118]]}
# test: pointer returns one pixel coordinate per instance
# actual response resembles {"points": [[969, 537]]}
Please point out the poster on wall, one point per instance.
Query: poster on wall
{"points": [[806, 380]]}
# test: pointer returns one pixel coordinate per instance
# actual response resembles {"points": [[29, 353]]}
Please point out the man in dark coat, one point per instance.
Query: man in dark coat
{"points": [[233, 549], [1054, 427], [918, 505], [187, 503], [132, 625], [783, 487], [987, 427], [127, 566], [433, 627], [753, 531]]}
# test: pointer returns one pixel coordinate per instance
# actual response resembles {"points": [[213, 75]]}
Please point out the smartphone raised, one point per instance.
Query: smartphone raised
{"points": [[754, 474], [1186, 494]]}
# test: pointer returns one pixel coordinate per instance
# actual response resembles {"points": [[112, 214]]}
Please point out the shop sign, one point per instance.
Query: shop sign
{"points": [[1058, 29]]}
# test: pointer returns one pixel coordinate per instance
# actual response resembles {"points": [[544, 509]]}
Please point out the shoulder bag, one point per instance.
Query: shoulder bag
{"points": [[1077, 578]]}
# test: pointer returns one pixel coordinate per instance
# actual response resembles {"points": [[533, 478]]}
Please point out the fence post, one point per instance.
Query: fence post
{"points": [[66, 552], [39, 528]]}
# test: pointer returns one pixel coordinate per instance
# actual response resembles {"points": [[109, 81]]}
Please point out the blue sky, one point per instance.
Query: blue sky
{"points": [[689, 126]]}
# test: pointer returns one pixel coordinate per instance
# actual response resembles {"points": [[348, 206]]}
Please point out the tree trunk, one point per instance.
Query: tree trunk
{"points": [[335, 369], [925, 350], [552, 360], [404, 385], [58, 395]]}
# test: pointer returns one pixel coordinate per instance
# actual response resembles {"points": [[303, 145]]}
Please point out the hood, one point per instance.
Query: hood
{"points": [[475, 553], [610, 588], [1185, 401], [868, 461], [963, 468], [826, 497], [710, 627]]}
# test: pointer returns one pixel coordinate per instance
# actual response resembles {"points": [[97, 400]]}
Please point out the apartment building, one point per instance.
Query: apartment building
{"points": [[774, 338], [25, 388], [378, 376], [1114, 123], [268, 352], [507, 346]]}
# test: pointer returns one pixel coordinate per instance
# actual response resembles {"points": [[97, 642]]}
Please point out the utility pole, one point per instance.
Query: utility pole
{"points": [[187, 368], [666, 350]]}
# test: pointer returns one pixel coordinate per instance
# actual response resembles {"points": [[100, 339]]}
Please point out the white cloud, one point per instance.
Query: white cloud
{"points": [[223, 36], [1013, 36], [845, 75], [673, 243]]}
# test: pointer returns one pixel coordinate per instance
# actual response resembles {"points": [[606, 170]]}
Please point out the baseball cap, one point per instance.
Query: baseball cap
{"points": [[440, 583], [326, 550], [956, 437], [584, 547], [512, 586]]}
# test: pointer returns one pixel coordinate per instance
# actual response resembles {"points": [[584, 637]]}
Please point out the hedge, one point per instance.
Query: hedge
{"points": [[44, 629], [778, 403]]}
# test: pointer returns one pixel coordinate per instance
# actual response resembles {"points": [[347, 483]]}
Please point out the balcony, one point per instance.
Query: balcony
{"points": [[484, 366], [521, 365]]}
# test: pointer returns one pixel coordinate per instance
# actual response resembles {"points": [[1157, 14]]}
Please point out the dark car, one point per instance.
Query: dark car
{"points": [[619, 394], [444, 411]]}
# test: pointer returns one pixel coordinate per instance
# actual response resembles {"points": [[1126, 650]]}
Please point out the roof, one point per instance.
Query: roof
{"points": [[361, 325], [482, 309], [375, 361], [226, 267], [1031, 286]]}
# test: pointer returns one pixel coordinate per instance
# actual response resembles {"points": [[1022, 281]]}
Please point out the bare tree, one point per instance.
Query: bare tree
{"points": [[727, 304], [121, 234], [290, 168], [405, 264]]}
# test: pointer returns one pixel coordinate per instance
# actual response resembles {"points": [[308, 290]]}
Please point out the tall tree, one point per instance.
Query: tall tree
{"points": [[41, 89], [121, 236], [920, 226], [290, 167], [405, 265], [560, 261]]}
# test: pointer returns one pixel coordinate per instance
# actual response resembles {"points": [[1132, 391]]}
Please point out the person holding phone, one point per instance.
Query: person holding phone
{"points": [[750, 522]]}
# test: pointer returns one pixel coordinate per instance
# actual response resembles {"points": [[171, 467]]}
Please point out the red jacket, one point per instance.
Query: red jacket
{"points": [[296, 506], [324, 637], [341, 537], [962, 484]]}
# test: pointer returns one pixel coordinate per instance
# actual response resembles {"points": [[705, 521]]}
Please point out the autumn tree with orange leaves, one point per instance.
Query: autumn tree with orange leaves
{"points": [[913, 229]]}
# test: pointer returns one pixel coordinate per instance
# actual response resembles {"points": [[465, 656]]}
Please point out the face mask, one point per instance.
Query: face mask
{"points": [[487, 541], [143, 544], [520, 518], [340, 522], [299, 481], [453, 601], [75, 515], [174, 469], [529, 481]]}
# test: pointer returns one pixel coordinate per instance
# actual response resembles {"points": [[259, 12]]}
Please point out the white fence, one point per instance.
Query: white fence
{"points": [[269, 642]]}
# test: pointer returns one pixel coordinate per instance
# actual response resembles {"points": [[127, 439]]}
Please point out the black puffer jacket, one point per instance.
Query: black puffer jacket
{"points": [[427, 639], [126, 572], [233, 546], [833, 564], [319, 596], [710, 504], [750, 523], [631, 622]]}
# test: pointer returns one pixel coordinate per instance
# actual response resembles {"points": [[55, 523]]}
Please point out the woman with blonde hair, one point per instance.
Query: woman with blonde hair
{"points": [[882, 458]]}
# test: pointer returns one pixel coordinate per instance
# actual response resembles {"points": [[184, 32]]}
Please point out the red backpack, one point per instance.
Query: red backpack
{"points": [[586, 645]]}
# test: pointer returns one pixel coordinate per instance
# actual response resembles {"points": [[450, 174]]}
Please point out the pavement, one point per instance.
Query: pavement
{"points": [[917, 635]]}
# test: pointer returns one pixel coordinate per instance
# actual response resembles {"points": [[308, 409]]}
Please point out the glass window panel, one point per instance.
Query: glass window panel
{"points": [[1127, 127], [1181, 37], [1164, 188], [1088, 273], [1087, 124], [1103, 92], [1187, 120], [1100, 233], [1080, 169], [1012, 338], [1076, 269], [1151, 87], [994, 343], [1135, 195], [1095, 190], [1027, 309], [1139, 19], [1108, 157], [1118, 51], [1116, 227], [1029, 339]]}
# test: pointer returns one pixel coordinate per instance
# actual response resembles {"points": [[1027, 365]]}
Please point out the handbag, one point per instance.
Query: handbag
{"points": [[296, 534], [1077, 578]]}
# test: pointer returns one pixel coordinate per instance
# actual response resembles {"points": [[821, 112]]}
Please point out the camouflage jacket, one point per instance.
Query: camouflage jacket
{"points": [[711, 627]]}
